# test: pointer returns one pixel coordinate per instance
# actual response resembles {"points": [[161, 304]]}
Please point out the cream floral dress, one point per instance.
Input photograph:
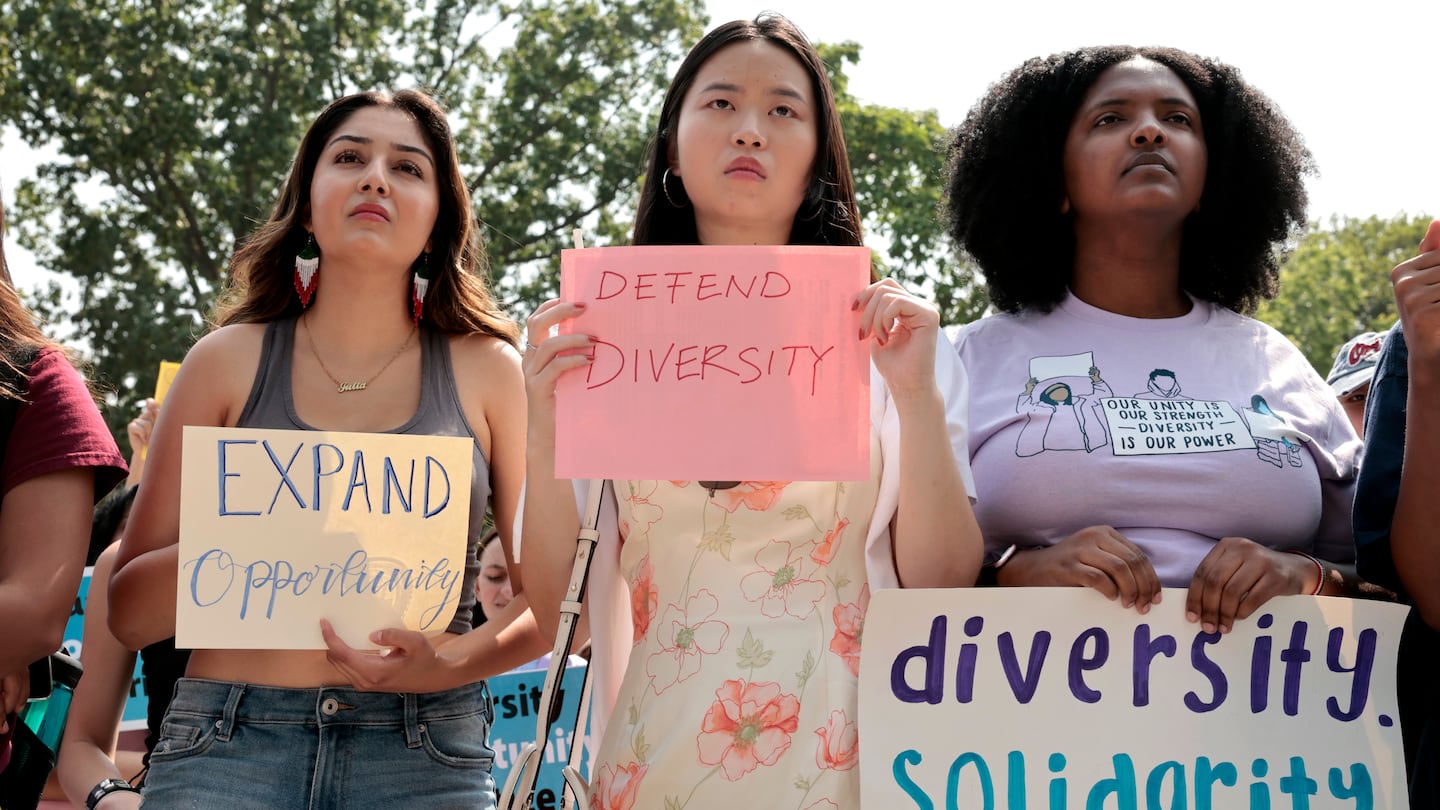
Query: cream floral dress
{"points": [[748, 606]]}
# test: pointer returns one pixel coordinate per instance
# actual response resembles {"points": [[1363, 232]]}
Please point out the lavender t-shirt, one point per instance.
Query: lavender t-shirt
{"points": [[1177, 432]]}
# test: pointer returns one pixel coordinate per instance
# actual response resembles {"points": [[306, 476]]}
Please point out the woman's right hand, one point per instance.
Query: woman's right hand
{"points": [[1096, 557], [545, 361]]}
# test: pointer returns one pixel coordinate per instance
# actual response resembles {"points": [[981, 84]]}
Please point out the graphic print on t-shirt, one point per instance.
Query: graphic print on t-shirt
{"points": [[1068, 406]]}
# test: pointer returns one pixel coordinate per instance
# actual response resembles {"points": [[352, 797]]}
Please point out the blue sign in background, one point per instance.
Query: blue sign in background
{"points": [[135, 707], [517, 699]]}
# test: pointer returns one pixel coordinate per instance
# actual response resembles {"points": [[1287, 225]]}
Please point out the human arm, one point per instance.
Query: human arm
{"points": [[139, 431], [210, 389], [44, 529], [935, 539], [1414, 543], [93, 724], [550, 518]]}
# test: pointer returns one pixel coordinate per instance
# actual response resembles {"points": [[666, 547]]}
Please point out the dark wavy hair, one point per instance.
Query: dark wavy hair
{"points": [[1005, 181], [261, 286], [828, 215]]}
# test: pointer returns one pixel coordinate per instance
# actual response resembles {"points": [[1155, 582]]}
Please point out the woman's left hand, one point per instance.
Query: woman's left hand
{"points": [[405, 662], [903, 330], [1240, 575]]}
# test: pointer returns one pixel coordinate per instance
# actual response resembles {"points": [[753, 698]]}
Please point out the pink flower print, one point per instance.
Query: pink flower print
{"points": [[849, 626], [641, 514], [825, 550], [747, 726], [644, 598], [615, 787], [839, 748], [782, 585], [686, 637], [823, 804], [757, 496]]}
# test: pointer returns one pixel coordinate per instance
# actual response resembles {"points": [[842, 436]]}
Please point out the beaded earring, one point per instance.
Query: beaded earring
{"points": [[422, 286], [307, 271]]}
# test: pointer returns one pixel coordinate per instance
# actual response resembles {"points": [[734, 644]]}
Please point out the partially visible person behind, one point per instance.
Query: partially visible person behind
{"points": [[93, 771], [1350, 376], [359, 305], [1396, 541], [493, 591], [1130, 427], [59, 458]]}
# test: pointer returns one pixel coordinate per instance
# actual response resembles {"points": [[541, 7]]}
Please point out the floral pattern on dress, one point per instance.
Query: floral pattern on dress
{"points": [[825, 550], [644, 599], [849, 627], [615, 788], [748, 725], [839, 747], [686, 636], [747, 604], [785, 582]]}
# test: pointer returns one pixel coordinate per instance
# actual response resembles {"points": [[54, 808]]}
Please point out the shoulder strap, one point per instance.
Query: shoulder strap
{"points": [[524, 770]]}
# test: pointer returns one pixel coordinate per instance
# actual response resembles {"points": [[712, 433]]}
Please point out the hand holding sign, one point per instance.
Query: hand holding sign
{"points": [[903, 327], [546, 358], [1096, 557], [1240, 575], [405, 662], [1417, 294]]}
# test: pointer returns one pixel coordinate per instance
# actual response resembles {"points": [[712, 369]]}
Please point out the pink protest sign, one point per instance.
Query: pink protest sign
{"points": [[716, 363]]}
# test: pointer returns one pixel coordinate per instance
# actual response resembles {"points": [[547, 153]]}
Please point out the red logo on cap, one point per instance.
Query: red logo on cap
{"points": [[1360, 351]]}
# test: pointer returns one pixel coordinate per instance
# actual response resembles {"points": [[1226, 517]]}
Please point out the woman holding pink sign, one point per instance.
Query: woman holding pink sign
{"points": [[726, 615], [1128, 207], [404, 338]]}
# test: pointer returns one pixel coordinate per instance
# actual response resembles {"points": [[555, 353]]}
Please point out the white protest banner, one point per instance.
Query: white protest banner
{"points": [[281, 528], [1058, 699], [732, 363]]}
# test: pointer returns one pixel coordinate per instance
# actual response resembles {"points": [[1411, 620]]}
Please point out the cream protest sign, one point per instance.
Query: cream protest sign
{"points": [[281, 528], [738, 363], [1056, 698]]}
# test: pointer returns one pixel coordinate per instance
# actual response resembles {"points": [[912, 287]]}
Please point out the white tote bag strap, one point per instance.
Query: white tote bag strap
{"points": [[520, 785]]}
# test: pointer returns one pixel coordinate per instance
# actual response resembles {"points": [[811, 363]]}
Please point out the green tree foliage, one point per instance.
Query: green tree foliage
{"points": [[176, 122], [180, 118], [1337, 282]]}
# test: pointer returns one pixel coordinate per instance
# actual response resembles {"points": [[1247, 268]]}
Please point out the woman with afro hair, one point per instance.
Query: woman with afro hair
{"points": [[1128, 208]]}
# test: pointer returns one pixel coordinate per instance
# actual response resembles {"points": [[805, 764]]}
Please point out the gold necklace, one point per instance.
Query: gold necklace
{"points": [[346, 387]]}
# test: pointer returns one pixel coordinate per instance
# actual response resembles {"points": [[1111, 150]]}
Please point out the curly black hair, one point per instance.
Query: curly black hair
{"points": [[1002, 204]]}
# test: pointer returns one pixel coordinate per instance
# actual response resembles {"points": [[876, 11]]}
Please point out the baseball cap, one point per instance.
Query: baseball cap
{"points": [[1355, 363]]}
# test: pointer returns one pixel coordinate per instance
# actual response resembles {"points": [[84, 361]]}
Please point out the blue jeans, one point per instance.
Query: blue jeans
{"points": [[237, 745]]}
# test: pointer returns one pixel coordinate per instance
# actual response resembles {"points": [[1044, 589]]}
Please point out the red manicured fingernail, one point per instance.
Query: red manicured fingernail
{"points": [[862, 334], [581, 304], [854, 305]]}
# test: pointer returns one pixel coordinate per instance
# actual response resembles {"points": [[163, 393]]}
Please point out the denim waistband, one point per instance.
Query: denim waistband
{"points": [[232, 703]]}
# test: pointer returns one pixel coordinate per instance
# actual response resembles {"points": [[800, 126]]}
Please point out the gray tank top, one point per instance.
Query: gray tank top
{"points": [[272, 405]]}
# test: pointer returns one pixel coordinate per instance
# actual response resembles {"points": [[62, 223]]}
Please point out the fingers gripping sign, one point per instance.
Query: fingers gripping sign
{"points": [[405, 662], [1238, 576], [903, 328]]}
